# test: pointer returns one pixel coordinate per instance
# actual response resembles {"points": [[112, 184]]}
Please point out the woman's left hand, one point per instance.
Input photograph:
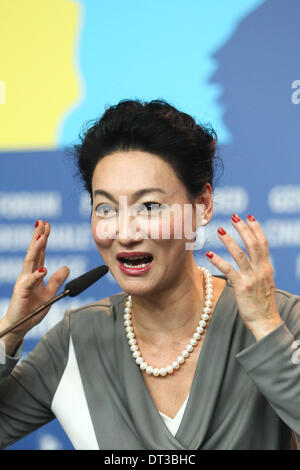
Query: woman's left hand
{"points": [[253, 285]]}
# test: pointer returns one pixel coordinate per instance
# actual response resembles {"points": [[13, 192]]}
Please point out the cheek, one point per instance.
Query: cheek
{"points": [[163, 227], [177, 224], [104, 231]]}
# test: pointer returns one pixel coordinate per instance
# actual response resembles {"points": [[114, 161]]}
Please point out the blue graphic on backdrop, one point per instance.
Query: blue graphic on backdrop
{"points": [[257, 67], [153, 50]]}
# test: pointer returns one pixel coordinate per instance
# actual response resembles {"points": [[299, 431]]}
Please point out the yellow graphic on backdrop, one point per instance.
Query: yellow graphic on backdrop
{"points": [[38, 39]]}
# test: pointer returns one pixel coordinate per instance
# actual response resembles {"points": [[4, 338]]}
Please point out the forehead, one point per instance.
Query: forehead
{"points": [[139, 169]]}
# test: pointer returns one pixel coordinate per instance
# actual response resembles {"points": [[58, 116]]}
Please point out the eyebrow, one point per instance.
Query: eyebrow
{"points": [[135, 195]]}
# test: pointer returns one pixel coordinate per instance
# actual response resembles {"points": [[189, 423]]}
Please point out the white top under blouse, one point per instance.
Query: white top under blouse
{"points": [[174, 423]]}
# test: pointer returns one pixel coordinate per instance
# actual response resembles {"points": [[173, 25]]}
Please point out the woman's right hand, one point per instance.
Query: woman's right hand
{"points": [[29, 290]]}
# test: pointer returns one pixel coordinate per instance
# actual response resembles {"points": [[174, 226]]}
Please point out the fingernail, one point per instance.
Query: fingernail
{"points": [[250, 217], [235, 218], [38, 236], [42, 270], [36, 224], [221, 231], [209, 254]]}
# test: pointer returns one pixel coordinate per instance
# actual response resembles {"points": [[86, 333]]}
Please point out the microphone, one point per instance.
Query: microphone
{"points": [[72, 288]]}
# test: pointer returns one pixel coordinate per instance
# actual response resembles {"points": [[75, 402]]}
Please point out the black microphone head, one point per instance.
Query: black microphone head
{"points": [[81, 283]]}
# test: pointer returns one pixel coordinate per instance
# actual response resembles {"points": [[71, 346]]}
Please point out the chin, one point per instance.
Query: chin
{"points": [[137, 287]]}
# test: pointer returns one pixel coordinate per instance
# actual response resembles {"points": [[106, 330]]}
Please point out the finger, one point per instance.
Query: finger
{"points": [[33, 279], [252, 243], [56, 280], [234, 249], [229, 272], [257, 230], [43, 244], [32, 255]]}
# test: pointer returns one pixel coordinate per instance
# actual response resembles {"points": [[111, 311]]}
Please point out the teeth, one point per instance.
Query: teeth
{"points": [[138, 257], [136, 266]]}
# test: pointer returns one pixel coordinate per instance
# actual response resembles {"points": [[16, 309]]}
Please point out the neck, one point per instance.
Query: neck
{"points": [[175, 310]]}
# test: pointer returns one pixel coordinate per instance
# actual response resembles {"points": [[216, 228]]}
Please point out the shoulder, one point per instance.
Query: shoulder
{"points": [[101, 308]]}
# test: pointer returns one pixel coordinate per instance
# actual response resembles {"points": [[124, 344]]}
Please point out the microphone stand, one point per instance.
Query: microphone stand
{"points": [[73, 288], [35, 312]]}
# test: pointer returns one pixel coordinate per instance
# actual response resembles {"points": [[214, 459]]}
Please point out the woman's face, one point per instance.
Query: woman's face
{"points": [[138, 210]]}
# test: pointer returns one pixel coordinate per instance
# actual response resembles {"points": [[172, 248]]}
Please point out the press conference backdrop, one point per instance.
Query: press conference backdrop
{"points": [[232, 64]]}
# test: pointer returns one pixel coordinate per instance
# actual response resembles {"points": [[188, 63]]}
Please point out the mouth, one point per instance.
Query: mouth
{"points": [[134, 264]]}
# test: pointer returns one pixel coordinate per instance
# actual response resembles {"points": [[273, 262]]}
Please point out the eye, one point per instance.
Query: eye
{"points": [[105, 210], [150, 207]]}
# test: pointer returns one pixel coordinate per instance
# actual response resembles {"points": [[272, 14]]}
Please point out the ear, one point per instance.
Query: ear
{"points": [[204, 206]]}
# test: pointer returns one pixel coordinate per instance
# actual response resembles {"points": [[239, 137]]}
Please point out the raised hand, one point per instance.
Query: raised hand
{"points": [[29, 290], [253, 284]]}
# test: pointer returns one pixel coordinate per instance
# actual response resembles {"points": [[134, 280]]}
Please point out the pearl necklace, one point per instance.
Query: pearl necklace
{"points": [[150, 370]]}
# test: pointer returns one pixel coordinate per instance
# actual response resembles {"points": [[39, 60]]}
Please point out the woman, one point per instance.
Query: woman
{"points": [[179, 359]]}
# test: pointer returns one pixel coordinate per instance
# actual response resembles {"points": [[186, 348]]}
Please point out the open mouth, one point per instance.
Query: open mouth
{"points": [[138, 262]]}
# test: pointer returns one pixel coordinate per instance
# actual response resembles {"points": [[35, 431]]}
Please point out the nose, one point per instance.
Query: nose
{"points": [[128, 229]]}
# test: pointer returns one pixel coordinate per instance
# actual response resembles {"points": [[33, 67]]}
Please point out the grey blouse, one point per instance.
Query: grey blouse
{"points": [[244, 395]]}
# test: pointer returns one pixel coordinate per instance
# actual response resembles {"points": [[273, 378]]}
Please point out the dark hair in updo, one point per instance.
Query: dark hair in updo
{"points": [[155, 127]]}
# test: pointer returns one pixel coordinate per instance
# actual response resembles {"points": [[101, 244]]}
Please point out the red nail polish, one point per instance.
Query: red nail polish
{"points": [[251, 218], [235, 218], [221, 231], [36, 224], [38, 236], [209, 254], [41, 270]]}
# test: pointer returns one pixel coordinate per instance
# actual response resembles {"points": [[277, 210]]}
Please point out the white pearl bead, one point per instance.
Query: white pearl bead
{"points": [[180, 359], [208, 296], [149, 370], [136, 354], [206, 310]]}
